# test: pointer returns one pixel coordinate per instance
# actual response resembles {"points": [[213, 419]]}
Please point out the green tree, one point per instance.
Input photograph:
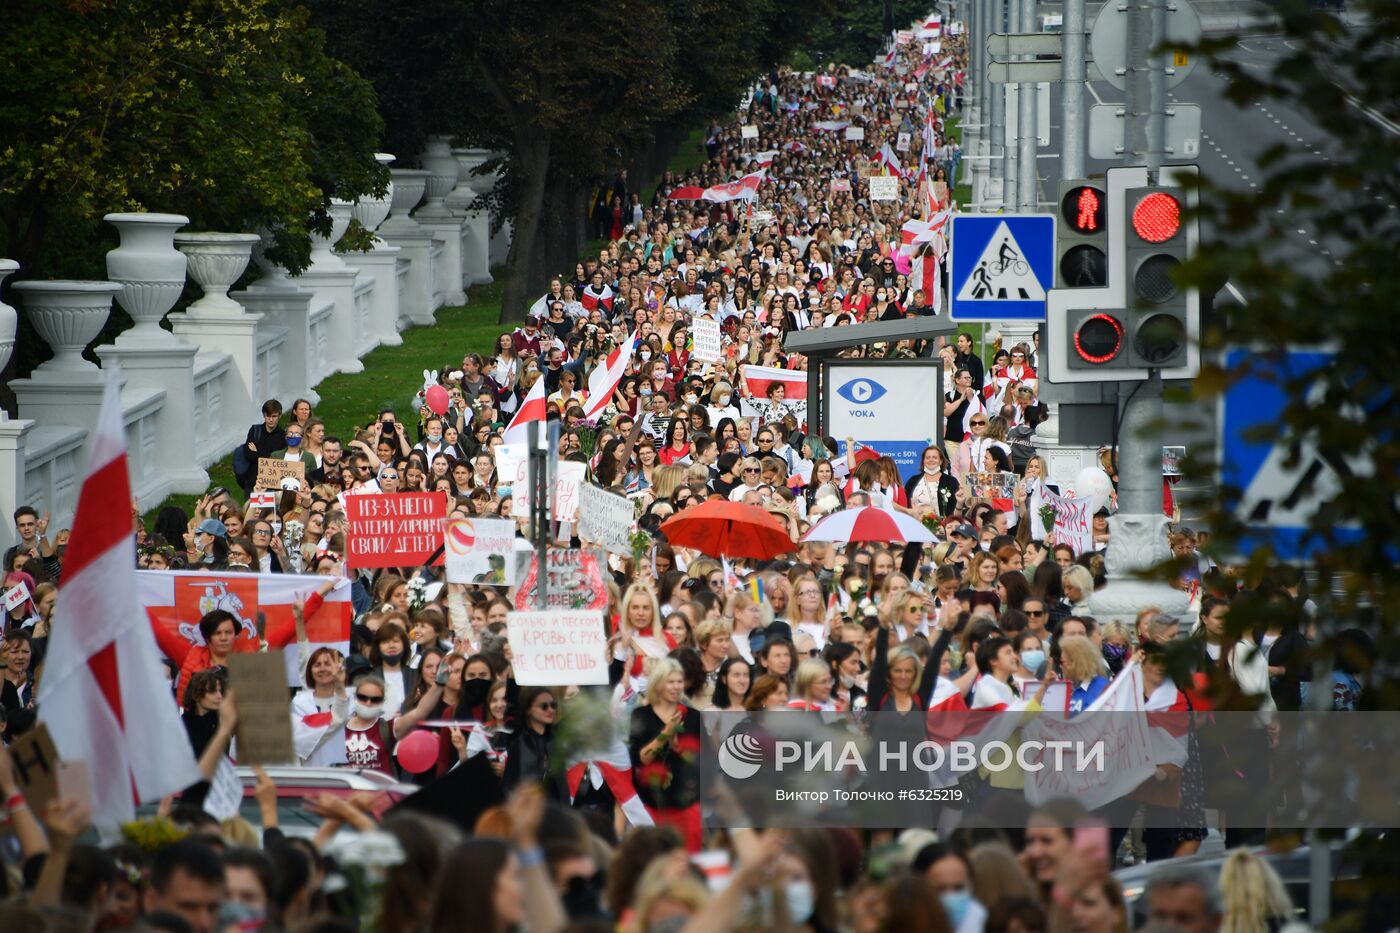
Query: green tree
{"points": [[228, 111]]}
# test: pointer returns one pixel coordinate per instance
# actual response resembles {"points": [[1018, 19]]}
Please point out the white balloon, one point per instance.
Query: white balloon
{"points": [[1092, 483]]}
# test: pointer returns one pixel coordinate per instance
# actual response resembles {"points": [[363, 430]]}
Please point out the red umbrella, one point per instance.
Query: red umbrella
{"points": [[728, 529], [868, 524]]}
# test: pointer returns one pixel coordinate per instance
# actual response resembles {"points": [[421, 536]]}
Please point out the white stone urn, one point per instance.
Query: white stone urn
{"points": [[68, 315], [442, 168], [150, 270], [323, 255], [473, 158], [273, 275], [216, 261], [9, 320], [371, 211], [409, 185]]}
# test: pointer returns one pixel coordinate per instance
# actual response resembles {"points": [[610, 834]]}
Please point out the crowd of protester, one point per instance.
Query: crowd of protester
{"points": [[992, 605]]}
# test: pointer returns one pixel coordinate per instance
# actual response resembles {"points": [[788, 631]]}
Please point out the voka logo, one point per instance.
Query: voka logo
{"points": [[740, 756], [861, 391]]}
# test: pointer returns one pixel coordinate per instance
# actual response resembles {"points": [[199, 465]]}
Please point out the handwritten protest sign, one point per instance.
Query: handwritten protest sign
{"points": [[884, 188], [400, 529], [574, 581], [1171, 460], [605, 518], [272, 470], [558, 647], [264, 731], [708, 346], [855, 134], [36, 765], [513, 470], [902, 142], [1116, 723], [749, 131], [479, 550], [1074, 523]]}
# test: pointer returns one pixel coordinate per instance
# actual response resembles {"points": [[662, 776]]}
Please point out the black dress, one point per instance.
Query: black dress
{"points": [[672, 780]]}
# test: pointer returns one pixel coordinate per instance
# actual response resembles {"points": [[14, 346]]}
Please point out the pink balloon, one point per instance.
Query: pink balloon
{"points": [[417, 751], [437, 399]]}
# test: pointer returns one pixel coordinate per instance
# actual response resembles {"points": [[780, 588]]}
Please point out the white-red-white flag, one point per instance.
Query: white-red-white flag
{"points": [[591, 299], [744, 189], [533, 408], [759, 378], [104, 696], [604, 380], [890, 161]]}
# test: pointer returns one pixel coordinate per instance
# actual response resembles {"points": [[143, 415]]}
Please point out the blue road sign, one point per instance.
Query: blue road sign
{"points": [[1276, 498], [1001, 266]]}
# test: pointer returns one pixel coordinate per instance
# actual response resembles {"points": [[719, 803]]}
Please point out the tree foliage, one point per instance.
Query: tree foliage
{"points": [[228, 111], [856, 30], [1346, 81]]}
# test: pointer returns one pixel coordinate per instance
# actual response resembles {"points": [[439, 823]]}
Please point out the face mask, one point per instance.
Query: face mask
{"points": [[800, 900], [293, 441], [1032, 659], [848, 681], [646, 393], [934, 470], [1115, 653], [692, 399], [645, 355], [369, 712], [722, 401], [955, 905], [434, 438], [474, 693]]}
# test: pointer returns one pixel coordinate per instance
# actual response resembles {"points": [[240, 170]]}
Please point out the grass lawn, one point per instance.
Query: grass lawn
{"points": [[392, 376]]}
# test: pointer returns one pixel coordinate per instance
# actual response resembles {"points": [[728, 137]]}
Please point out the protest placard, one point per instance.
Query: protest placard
{"points": [[478, 550], [901, 142], [884, 187], [985, 485], [1074, 524], [400, 529], [513, 470], [574, 580], [605, 518], [855, 134], [272, 470], [1171, 460], [558, 647], [748, 131], [16, 596], [940, 192], [708, 346], [840, 186], [258, 680], [36, 766]]}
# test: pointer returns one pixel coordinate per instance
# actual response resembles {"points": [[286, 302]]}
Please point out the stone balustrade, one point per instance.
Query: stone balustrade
{"points": [[191, 391]]}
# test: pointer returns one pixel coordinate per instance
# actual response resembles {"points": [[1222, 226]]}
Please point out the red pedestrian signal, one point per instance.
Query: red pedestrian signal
{"points": [[1157, 217], [1082, 209]]}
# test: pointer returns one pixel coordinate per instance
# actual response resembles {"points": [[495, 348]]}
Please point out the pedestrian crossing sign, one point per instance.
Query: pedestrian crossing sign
{"points": [[1001, 266]]}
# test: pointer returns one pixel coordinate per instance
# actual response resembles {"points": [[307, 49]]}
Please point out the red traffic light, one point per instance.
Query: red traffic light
{"points": [[1099, 338], [1157, 217], [1082, 208]]}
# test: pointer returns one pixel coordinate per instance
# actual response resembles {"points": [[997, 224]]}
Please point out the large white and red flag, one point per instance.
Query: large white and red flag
{"points": [[175, 601], [925, 277], [759, 378], [533, 408], [611, 766], [604, 379], [890, 161], [742, 189], [912, 235], [103, 694], [591, 299]]}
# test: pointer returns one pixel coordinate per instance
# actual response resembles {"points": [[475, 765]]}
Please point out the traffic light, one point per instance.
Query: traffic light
{"points": [[1081, 241], [1139, 318], [1159, 310]]}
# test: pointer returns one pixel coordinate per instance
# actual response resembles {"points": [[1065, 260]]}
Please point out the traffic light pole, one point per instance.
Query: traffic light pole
{"points": [[1072, 92], [1026, 184], [1145, 117], [994, 94]]}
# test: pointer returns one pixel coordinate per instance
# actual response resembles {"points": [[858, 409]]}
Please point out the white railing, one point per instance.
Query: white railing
{"points": [[318, 361], [52, 461], [402, 272], [363, 336], [272, 342], [440, 287]]}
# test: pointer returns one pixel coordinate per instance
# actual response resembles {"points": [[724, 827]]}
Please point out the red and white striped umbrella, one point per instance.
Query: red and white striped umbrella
{"points": [[868, 524]]}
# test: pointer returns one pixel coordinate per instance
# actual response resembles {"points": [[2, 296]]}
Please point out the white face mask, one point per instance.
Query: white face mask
{"points": [[369, 712]]}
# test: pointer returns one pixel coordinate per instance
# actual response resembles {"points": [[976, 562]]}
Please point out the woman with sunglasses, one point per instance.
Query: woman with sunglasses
{"points": [[369, 738], [528, 751]]}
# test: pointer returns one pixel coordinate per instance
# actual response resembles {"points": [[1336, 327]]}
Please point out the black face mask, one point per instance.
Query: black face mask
{"points": [[474, 693], [581, 899]]}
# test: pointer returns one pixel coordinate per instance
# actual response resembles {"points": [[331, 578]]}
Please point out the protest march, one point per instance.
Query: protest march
{"points": [[375, 685]]}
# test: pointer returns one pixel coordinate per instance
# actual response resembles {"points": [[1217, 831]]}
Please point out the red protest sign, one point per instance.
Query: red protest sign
{"points": [[400, 529]]}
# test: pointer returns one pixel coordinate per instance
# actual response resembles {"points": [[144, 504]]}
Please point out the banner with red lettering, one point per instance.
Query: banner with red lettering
{"points": [[400, 529], [1074, 523], [574, 581]]}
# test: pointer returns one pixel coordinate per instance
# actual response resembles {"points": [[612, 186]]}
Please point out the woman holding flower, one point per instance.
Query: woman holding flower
{"points": [[665, 747], [933, 491]]}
